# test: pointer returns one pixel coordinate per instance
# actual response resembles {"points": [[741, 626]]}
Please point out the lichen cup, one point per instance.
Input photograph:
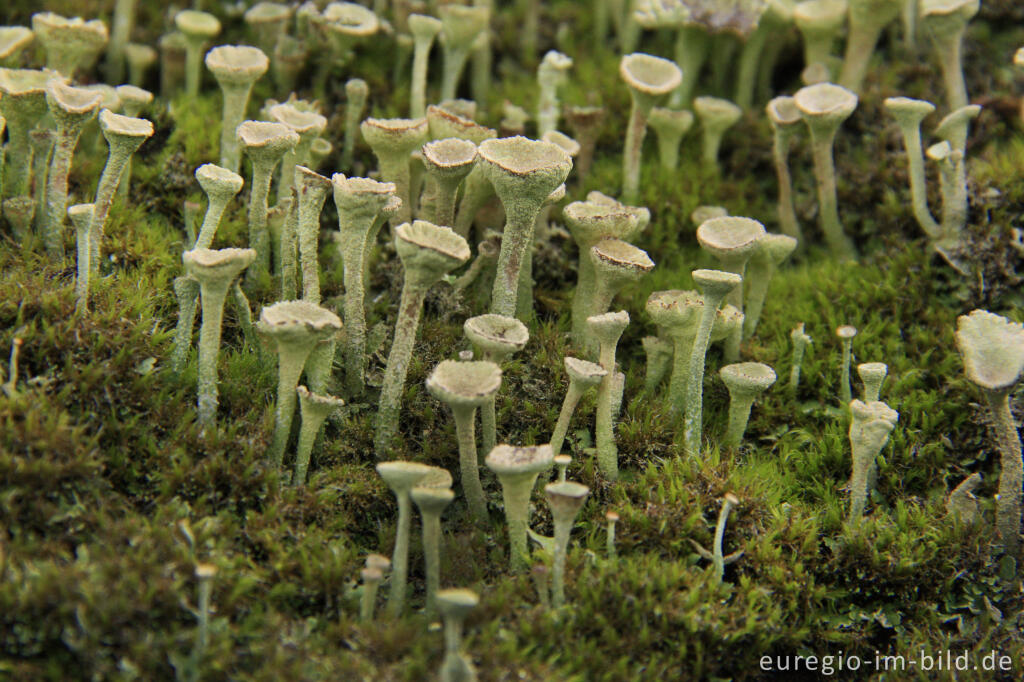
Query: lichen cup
{"points": [[517, 468], [648, 78], [236, 68], [524, 173]]}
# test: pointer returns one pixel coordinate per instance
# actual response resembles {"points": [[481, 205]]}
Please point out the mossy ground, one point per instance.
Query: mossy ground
{"points": [[110, 494]]}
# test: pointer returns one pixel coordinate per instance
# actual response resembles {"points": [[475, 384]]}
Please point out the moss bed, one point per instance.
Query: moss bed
{"points": [[110, 495]]}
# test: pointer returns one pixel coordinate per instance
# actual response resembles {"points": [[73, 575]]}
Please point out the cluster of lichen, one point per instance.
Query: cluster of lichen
{"points": [[660, 459]]}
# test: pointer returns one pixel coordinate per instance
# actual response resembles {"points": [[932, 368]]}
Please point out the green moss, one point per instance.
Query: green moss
{"points": [[101, 459]]}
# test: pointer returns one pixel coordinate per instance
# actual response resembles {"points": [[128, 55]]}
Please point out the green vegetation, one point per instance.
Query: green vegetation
{"points": [[112, 493]]}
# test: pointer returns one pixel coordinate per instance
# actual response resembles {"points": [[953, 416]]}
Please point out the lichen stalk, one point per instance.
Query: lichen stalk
{"points": [[800, 342], [409, 309], [845, 391], [515, 495], [865, 27], [520, 219], [211, 297], [659, 359], [718, 555], [312, 192], [356, 226], [400, 558], [236, 101], [476, 191], [569, 403], [469, 465], [356, 92], [422, 41], [186, 289], [355, 313], [455, 57], [124, 20], [693, 404], [636, 130], [259, 236], [218, 203], [368, 600], [81, 218], [739, 415], [1011, 471], [682, 349], [122, 147], [57, 187], [314, 410], [291, 361], [869, 432], [788, 222], [43, 142], [286, 248], [911, 133], [432, 557], [691, 50], [828, 204], [750, 56], [607, 452]]}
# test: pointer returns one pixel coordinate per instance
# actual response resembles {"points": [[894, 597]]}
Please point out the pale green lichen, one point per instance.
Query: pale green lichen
{"points": [[867, 19], [495, 338], [992, 348], [424, 29], [124, 135], [583, 376], [236, 68], [432, 500], [197, 28], [565, 500], [359, 202], [71, 109], [715, 285], [824, 107], [648, 78], [800, 341], [524, 173], [292, 329], [265, 144], [517, 468], [870, 426], [313, 409], [402, 477], [464, 386], [214, 270], [607, 329], [872, 375], [745, 381], [428, 253]]}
